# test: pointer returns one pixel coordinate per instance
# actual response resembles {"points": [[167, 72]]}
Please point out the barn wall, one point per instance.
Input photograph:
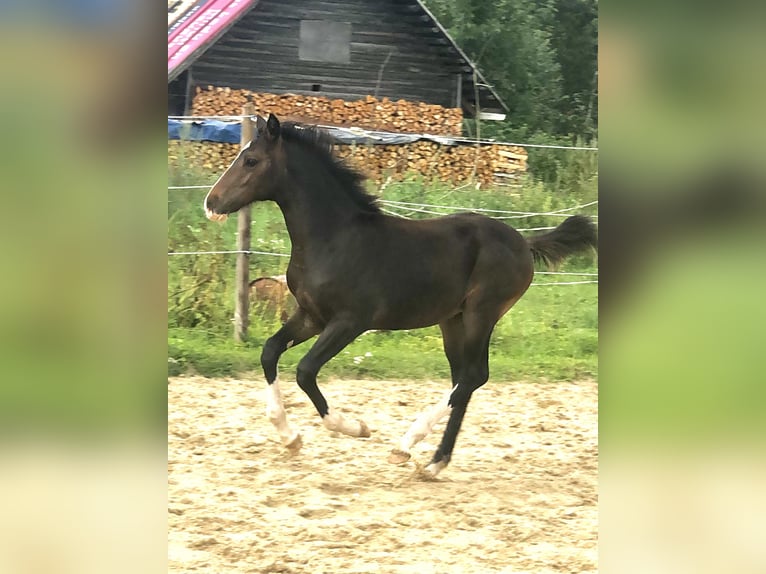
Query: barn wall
{"points": [[390, 55], [179, 93]]}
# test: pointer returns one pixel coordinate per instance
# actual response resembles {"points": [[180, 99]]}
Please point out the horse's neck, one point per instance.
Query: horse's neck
{"points": [[312, 219]]}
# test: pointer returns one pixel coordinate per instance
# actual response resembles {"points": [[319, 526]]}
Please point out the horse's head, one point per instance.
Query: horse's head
{"points": [[253, 174]]}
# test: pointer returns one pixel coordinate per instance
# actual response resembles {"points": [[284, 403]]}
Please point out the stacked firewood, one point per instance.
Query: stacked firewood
{"points": [[433, 161], [369, 112], [201, 156], [485, 164]]}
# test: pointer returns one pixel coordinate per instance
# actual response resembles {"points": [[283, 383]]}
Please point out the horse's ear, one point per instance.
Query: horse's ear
{"points": [[272, 127], [260, 124]]}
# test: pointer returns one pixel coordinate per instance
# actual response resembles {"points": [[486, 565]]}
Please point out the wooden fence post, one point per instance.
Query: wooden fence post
{"points": [[244, 219]]}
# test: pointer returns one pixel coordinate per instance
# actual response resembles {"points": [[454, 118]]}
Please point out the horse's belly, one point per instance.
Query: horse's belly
{"points": [[415, 312]]}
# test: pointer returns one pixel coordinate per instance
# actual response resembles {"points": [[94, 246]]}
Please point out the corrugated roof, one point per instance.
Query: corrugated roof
{"points": [[195, 25]]}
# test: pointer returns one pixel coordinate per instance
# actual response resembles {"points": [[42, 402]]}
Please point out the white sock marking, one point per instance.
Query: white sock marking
{"points": [[435, 468], [425, 422], [336, 422], [275, 410]]}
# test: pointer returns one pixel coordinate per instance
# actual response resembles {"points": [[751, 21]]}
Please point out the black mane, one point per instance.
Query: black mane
{"points": [[320, 144]]}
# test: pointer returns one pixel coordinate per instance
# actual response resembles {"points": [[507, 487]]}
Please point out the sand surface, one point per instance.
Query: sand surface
{"points": [[520, 495]]}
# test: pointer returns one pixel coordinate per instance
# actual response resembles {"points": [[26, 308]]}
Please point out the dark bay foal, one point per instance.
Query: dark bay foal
{"points": [[353, 269]]}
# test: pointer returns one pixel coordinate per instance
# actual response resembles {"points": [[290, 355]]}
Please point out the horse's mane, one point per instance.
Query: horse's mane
{"points": [[320, 145]]}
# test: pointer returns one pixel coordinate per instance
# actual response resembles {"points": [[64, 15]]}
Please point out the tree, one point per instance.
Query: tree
{"points": [[575, 39], [540, 56]]}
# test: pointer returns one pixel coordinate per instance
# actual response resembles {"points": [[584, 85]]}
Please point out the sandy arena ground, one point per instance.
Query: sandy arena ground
{"points": [[519, 496]]}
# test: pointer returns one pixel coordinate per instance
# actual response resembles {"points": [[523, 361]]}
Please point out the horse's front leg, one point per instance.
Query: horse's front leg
{"points": [[332, 341], [296, 330]]}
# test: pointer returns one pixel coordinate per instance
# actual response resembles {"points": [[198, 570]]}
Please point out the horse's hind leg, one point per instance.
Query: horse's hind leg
{"points": [[475, 372], [453, 339], [296, 330], [332, 341]]}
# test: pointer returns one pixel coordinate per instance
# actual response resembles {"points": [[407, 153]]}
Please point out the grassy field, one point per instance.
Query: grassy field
{"points": [[551, 334]]}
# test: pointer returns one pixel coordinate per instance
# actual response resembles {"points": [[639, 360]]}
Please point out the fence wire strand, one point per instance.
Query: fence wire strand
{"points": [[427, 208], [269, 253], [248, 252]]}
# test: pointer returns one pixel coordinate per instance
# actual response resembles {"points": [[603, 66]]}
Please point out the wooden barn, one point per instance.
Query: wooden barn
{"points": [[340, 49]]}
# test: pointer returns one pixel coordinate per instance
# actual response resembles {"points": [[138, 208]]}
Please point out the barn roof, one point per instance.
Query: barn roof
{"points": [[195, 25]]}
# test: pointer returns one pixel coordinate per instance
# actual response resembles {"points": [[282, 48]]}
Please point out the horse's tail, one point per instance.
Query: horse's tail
{"points": [[574, 235]]}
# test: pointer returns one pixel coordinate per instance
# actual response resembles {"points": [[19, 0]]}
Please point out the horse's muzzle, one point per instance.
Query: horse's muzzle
{"points": [[210, 214]]}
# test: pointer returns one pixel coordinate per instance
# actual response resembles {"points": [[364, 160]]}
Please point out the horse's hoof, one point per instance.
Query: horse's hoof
{"points": [[295, 445], [364, 430], [398, 456], [432, 470]]}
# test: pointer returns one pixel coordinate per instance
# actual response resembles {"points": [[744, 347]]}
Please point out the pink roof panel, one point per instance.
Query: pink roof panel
{"points": [[200, 24]]}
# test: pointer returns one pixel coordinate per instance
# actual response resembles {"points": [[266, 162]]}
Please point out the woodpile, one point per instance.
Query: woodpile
{"points": [[369, 112], [488, 164], [435, 162], [208, 156]]}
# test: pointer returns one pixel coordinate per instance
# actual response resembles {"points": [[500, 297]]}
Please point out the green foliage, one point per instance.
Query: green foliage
{"points": [[574, 37], [550, 334], [541, 57]]}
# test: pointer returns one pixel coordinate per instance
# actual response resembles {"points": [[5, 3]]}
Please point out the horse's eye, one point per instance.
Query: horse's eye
{"points": [[250, 161]]}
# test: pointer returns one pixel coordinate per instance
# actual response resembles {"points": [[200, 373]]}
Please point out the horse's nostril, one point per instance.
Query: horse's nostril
{"points": [[211, 211]]}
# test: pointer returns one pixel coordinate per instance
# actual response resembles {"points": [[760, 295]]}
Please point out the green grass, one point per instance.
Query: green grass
{"points": [[551, 333]]}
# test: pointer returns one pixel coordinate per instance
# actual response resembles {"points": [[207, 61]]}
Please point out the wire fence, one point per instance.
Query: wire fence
{"points": [[420, 208], [559, 212], [272, 254], [430, 209], [232, 252]]}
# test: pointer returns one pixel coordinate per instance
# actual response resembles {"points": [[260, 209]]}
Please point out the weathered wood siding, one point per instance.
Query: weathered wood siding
{"points": [[393, 53]]}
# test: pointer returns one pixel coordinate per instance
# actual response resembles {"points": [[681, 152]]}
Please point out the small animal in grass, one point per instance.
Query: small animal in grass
{"points": [[272, 296]]}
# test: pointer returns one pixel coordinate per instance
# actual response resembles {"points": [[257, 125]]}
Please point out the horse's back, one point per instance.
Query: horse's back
{"points": [[475, 232]]}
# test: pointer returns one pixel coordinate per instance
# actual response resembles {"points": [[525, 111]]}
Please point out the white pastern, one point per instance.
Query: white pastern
{"points": [[425, 423], [335, 421], [435, 468], [275, 410]]}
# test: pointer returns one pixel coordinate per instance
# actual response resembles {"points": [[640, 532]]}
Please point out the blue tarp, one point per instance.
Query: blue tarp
{"points": [[209, 130], [229, 132]]}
